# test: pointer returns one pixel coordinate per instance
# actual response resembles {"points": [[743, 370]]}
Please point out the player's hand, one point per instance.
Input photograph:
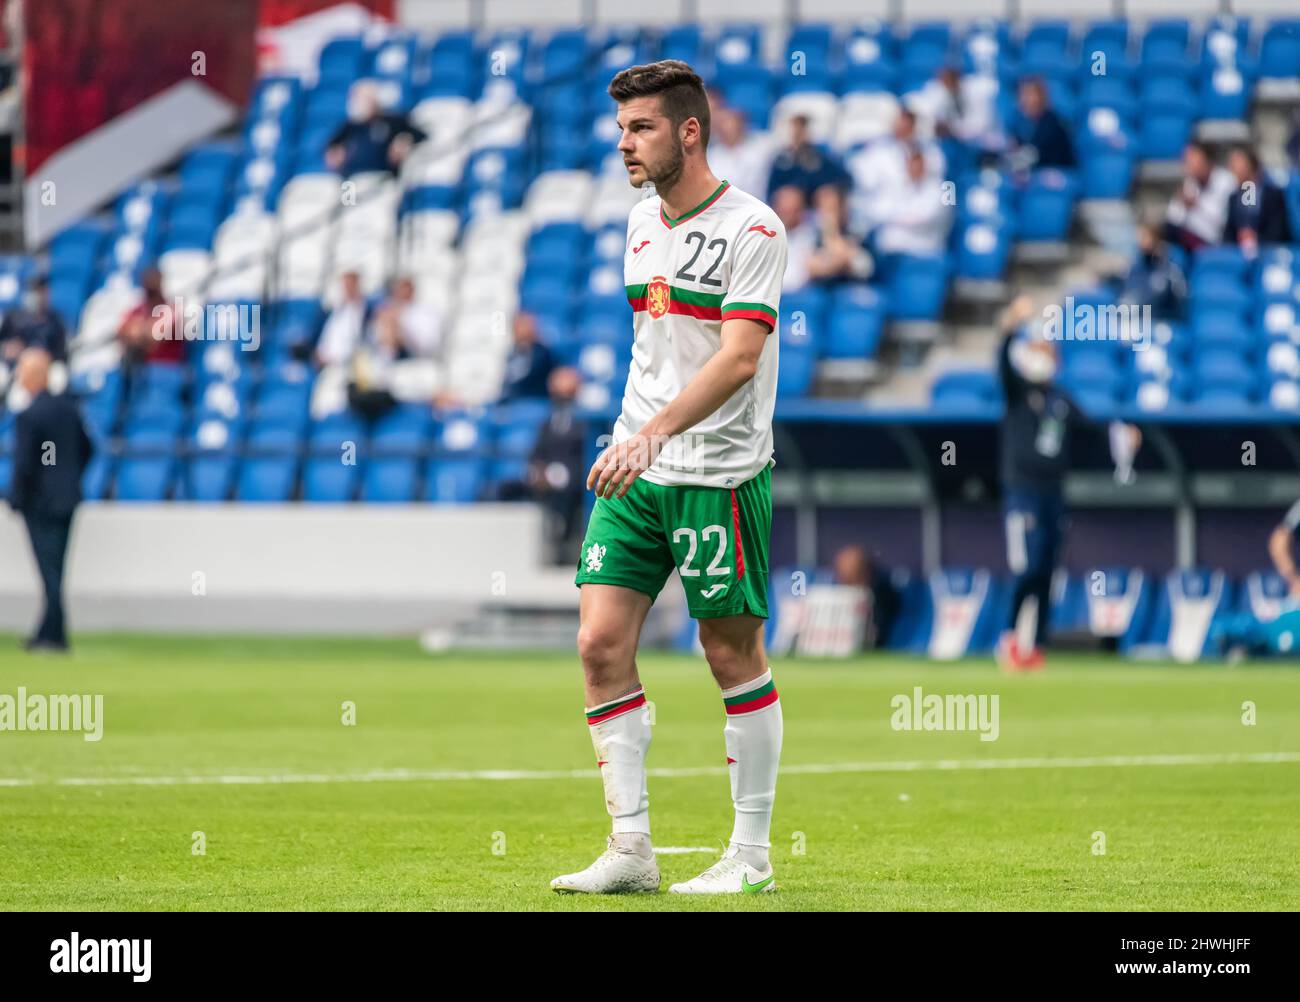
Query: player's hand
{"points": [[1293, 585], [617, 468]]}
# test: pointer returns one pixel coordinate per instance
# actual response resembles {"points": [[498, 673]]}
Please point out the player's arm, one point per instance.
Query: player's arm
{"points": [[1013, 318], [717, 382], [1279, 549]]}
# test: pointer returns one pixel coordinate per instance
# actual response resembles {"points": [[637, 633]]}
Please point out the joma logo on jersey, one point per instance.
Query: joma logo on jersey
{"points": [[657, 297]]}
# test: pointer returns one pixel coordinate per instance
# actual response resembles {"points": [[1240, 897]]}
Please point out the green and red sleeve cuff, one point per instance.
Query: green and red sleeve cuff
{"points": [[761, 312]]}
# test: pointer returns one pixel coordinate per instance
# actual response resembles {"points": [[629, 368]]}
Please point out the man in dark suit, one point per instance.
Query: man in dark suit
{"points": [[51, 450], [34, 326], [1257, 211], [1039, 130]]}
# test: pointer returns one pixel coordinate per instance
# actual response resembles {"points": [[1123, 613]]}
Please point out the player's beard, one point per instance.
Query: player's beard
{"points": [[667, 172]]}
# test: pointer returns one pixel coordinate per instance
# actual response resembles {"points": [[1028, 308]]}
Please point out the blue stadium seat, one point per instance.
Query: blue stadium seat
{"points": [[966, 390], [342, 61], [1047, 205], [329, 479], [1279, 49], [1164, 47], [918, 286], [267, 479], [462, 433], [454, 481], [795, 373], [97, 477], [856, 327], [144, 479]]}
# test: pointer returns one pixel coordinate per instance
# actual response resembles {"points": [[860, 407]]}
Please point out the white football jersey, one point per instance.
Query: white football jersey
{"points": [[723, 259]]}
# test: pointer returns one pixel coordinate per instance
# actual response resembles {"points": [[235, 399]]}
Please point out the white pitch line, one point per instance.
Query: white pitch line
{"points": [[682, 850], [830, 768]]}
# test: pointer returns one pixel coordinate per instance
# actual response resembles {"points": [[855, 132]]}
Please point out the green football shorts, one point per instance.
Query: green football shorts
{"points": [[716, 537]]}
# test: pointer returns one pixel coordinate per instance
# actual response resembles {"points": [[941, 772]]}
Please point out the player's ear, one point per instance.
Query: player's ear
{"points": [[689, 133]]}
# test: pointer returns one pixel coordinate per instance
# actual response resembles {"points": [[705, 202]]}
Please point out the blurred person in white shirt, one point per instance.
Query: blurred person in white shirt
{"points": [[405, 328], [1199, 208], [791, 208], [880, 169], [345, 325], [963, 108], [915, 218], [737, 154]]}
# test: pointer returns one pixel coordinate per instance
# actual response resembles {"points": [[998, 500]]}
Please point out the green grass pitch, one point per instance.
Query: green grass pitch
{"points": [[891, 831]]}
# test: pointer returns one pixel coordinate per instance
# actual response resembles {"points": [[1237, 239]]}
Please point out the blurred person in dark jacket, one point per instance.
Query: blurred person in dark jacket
{"points": [[554, 478], [1039, 133], [803, 164], [1257, 208], [51, 450], [856, 567], [1154, 279], [34, 326], [1040, 423], [529, 364], [375, 141]]}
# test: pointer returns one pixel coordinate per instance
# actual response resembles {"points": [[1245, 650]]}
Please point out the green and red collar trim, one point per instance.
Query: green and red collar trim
{"points": [[670, 223]]}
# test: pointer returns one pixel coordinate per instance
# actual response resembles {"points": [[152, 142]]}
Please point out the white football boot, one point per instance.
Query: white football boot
{"points": [[617, 870], [729, 875]]}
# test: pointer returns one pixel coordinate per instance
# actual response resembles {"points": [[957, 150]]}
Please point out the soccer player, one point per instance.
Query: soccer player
{"points": [[1243, 633], [686, 483], [1037, 428]]}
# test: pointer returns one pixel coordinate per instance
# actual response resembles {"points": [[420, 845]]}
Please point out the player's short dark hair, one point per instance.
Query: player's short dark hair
{"points": [[680, 89]]}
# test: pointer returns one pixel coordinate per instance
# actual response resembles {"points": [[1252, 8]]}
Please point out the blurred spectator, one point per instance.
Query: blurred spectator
{"points": [[803, 164], [840, 255], [1154, 279], [529, 364], [855, 567], [1198, 211], [1293, 144], [34, 326], [554, 477], [880, 170], [915, 219], [791, 207], [402, 331], [345, 325], [136, 333], [1256, 210], [961, 108], [1039, 134], [405, 328], [51, 450], [375, 141], [738, 155]]}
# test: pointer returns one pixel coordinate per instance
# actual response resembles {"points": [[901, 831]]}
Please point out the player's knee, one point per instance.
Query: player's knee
{"points": [[732, 660], [602, 650]]}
